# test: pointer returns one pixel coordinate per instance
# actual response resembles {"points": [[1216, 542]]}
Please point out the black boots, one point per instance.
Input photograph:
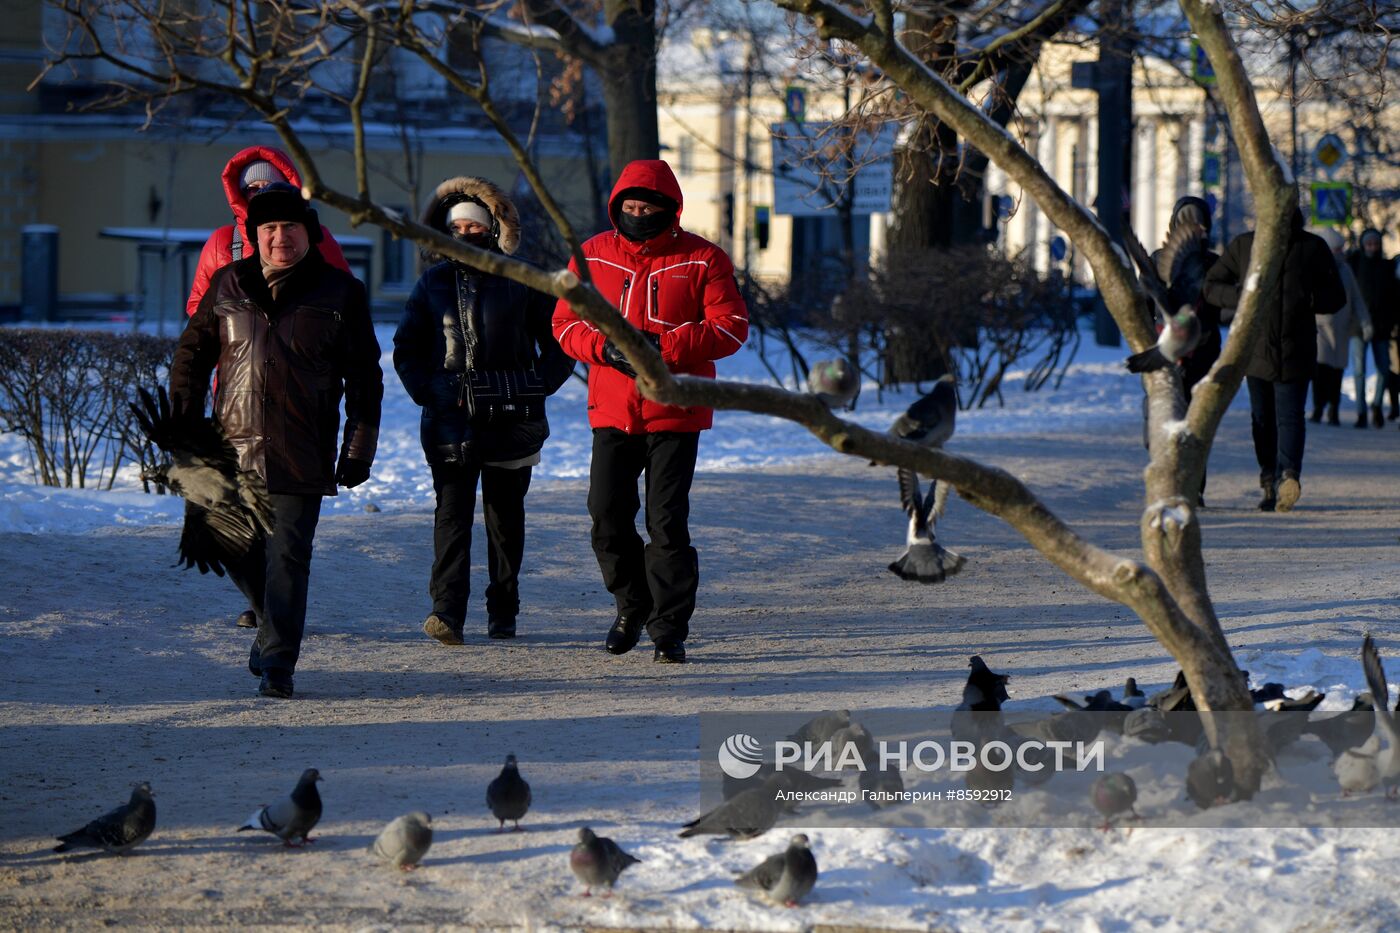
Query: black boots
{"points": [[1361, 421], [1316, 417], [669, 652], [624, 634], [500, 627], [276, 683], [1270, 500], [1377, 419], [1332, 416]]}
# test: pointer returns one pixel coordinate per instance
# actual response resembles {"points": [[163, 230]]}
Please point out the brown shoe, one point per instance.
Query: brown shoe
{"points": [[441, 628], [1288, 492]]}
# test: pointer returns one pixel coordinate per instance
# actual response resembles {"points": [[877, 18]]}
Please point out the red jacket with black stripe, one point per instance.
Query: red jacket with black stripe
{"points": [[677, 285]]}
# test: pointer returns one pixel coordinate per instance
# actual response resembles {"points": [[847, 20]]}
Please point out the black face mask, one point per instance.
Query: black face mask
{"points": [[479, 240], [638, 229]]}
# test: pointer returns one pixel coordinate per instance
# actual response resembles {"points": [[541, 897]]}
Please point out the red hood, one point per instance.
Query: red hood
{"points": [[652, 174], [234, 169]]}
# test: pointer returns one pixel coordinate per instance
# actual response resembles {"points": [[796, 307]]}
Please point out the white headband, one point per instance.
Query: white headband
{"points": [[469, 210]]}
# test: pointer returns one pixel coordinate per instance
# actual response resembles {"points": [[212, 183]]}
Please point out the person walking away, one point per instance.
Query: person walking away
{"points": [[1334, 332], [290, 335], [476, 352], [1381, 292], [678, 289], [1285, 353]]}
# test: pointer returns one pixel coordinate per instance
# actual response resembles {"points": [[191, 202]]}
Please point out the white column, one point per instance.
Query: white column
{"points": [[1046, 151]]}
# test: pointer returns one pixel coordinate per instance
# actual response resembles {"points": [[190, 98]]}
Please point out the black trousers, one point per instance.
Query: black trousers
{"points": [[503, 504], [656, 581], [1327, 388], [1276, 418], [274, 579]]}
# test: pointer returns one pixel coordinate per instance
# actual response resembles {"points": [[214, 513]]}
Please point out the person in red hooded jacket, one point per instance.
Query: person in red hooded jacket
{"points": [[245, 174], [678, 289]]}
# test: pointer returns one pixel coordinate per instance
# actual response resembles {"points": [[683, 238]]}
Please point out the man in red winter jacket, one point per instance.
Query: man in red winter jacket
{"points": [[678, 289], [245, 174]]}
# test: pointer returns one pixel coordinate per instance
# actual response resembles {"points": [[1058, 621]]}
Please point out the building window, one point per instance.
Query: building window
{"points": [[398, 255], [685, 155]]}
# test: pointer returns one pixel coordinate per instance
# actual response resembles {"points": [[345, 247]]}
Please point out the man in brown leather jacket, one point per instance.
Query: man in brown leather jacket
{"points": [[290, 335]]}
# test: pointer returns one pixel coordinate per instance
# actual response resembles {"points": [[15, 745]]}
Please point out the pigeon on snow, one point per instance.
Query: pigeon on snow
{"points": [[508, 795], [291, 818], [785, 878], [597, 861], [1133, 698], [405, 841], [227, 510], [1376, 762], [747, 814], [117, 830], [1210, 779], [1114, 795], [835, 382], [929, 421], [978, 716]]}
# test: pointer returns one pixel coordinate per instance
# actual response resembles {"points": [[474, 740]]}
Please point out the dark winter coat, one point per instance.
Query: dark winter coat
{"points": [[678, 286], [283, 367], [1376, 277], [1287, 349], [495, 410]]}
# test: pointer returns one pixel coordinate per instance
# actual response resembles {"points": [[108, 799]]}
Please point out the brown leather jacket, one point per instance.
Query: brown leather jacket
{"points": [[283, 367]]}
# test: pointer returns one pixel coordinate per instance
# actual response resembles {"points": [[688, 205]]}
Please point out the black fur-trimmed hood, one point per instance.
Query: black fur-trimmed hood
{"points": [[496, 201]]}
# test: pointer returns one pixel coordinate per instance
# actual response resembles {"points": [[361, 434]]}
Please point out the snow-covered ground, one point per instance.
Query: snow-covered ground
{"points": [[119, 668]]}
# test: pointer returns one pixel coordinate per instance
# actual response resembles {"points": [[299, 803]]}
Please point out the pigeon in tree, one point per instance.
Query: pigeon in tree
{"points": [[1180, 334], [227, 509], [291, 818], [835, 382], [1388, 753], [1175, 313], [785, 878], [405, 841], [117, 830], [929, 421], [508, 795], [1114, 794], [597, 861], [1210, 779], [745, 815]]}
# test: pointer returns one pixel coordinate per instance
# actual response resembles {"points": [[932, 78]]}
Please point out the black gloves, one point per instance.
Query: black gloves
{"points": [[614, 358], [351, 472]]}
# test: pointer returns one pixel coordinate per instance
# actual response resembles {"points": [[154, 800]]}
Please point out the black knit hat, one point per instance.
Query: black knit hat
{"points": [[280, 201]]}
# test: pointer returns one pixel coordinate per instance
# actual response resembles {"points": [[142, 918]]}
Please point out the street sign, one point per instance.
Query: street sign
{"points": [[1210, 170], [1201, 70], [1331, 203], [1330, 154], [1058, 250], [795, 104], [811, 174]]}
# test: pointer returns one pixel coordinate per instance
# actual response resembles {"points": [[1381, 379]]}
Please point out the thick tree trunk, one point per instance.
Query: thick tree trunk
{"points": [[629, 84]]}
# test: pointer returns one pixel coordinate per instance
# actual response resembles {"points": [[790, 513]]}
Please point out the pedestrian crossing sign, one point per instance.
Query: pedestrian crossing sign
{"points": [[1331, 203]]}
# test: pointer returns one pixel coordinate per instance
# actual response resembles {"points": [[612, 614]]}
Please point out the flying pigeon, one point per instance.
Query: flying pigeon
{"points": [[745, 815], [785, 878], [405, 841], [930, 422], [598, 861], [1388, 755], [1346, 730], [1182, 263], [117, 830], [292, 817], [1114, 794], [508, 795], [1180, 335], [227, 510], [835, 382], [1210, 779]]}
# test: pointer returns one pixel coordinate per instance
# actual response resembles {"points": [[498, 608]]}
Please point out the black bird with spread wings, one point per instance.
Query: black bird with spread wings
{"points": [[227, 510], [1174, 283], [930, 421]]}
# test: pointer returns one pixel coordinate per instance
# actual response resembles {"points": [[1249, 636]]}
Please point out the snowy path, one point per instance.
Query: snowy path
{"points": [[118, 668]]}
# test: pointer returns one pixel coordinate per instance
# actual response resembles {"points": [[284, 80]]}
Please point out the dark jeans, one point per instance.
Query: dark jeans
{"points": [[503, 505], [656, 581], [274, 579], [1276, 415]]}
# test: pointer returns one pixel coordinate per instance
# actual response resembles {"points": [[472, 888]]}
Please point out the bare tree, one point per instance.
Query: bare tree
{"points": [[270, 52]]}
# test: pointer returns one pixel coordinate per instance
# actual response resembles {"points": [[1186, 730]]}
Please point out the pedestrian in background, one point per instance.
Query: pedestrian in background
{"points": [[1334, 333], [1381, 292]]}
